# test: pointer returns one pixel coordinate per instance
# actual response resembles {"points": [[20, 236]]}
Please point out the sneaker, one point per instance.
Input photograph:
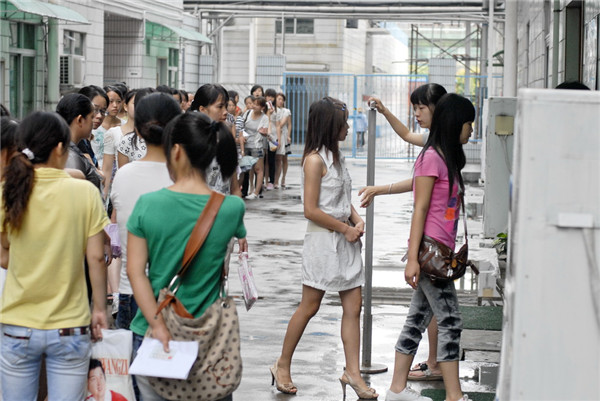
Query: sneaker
{"points": [[408, 394], [251, 196], [269, 186]]}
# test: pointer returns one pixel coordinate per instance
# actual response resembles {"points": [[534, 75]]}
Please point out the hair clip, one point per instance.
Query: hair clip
{"points": [[27, 152]]}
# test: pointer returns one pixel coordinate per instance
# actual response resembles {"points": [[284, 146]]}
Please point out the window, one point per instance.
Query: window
{"points": [[22, 35], [352, 23], [296, 25], [173, 68], [21, 68], [73, 42]]}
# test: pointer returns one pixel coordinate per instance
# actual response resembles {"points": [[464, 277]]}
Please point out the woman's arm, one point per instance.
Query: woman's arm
{"points": [[289, 123], [400, 129], [121, 159], [314, 170], [5, 248], [423, 189], [137, 257], [107, 166], [369, 193], [235, 185], [94, 254]]}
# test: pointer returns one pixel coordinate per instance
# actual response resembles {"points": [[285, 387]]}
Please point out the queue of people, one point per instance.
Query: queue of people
{"points": [[162, 153]]}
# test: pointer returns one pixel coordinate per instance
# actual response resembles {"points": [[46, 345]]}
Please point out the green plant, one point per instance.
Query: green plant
{"points": [[501, 243]]}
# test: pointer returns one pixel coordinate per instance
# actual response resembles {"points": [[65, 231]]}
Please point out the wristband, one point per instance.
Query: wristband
{"points": [[390, 189]]}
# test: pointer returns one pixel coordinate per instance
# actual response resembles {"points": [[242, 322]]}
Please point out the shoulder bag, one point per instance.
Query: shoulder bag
{"points": [[217, 371], [442, 264]]}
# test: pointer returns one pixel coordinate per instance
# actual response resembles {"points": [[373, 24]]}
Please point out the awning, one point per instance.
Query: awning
{"points": [[40, 8], [189, 34]]}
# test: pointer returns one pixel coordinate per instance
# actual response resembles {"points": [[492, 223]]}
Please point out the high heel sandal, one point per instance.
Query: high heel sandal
{"points": [[286, 388], [365, 393]]}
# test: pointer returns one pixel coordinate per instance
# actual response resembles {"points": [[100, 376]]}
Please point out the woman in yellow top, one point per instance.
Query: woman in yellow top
{"points": [[49, 222]]}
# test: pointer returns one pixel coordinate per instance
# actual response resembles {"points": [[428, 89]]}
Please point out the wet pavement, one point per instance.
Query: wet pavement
{"points": [[276, 228]]}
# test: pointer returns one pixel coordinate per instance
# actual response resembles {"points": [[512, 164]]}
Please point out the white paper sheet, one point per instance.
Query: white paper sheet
{"points": [[152, 360]]}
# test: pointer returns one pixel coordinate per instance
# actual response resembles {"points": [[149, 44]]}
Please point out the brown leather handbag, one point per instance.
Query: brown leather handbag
{"points": [[217, 371], [442, 264]]}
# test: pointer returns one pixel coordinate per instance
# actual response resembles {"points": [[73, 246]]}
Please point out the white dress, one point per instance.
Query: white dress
{"points": [[329, 261]]}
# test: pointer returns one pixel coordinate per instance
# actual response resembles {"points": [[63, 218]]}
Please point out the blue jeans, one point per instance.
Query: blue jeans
{"points": [[146, 391], [67, 363], [127, 310]]}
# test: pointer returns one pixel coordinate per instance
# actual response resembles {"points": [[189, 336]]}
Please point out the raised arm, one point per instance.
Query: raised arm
{"points": [[369, 193], [400, 129]]}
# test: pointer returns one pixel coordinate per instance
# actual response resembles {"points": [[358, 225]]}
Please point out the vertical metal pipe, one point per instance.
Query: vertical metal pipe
{"points": [[53, 92], [555, 41], [354, 115], [491, 48], [468, 60], [252, 51], [510, 49]]}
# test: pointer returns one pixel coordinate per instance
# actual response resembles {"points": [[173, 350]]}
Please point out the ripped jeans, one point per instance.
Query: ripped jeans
{"points": [[430, 300]]}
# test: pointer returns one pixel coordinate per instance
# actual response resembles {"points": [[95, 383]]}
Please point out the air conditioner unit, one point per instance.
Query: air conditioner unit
{"points": [[72, 70]]}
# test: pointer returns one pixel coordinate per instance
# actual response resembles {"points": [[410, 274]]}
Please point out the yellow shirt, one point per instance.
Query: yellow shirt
{"points": [[45, 283]]}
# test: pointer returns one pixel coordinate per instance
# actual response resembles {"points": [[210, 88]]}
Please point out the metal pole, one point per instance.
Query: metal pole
{"points": [[491, 49], [367, 366], [510, 50], [53, 91]]}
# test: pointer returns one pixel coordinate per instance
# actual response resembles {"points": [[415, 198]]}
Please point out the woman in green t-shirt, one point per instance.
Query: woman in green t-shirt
{"points": [[162, 221]]}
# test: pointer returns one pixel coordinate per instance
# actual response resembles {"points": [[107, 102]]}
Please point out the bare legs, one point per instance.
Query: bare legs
{"points": [[258, 170], [311, 301], [284, 163], [278, 170]]}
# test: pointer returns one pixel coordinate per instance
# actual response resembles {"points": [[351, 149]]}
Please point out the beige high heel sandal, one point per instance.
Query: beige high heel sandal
{"points": [[286, 388], [365, 393]]}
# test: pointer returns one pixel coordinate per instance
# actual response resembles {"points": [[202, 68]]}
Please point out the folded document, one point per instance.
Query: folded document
{"points": [[152, 360]]}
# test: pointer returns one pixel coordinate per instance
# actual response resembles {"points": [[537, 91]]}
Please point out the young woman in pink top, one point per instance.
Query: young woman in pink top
{"points": [[437, 187]]}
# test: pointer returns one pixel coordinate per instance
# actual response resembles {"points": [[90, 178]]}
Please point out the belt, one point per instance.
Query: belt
{"points": [[314, 227], [74, 331]]}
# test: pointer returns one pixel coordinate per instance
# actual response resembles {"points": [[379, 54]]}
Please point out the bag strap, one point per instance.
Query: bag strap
{"points": [[462, 207], [201, 230]]}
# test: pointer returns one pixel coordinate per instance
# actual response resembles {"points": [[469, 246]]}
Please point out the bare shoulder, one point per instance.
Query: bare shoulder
{"points": [[313, 164]]}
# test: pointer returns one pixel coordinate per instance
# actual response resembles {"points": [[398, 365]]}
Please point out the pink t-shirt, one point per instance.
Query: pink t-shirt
{"points": [[441, 222]]}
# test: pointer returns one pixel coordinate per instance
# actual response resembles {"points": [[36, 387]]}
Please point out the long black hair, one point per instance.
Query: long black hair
{"points": [[37, 135], [450, 114], [326, 118], [202, 139], [73, 105], [427, 95], [208, 94]]}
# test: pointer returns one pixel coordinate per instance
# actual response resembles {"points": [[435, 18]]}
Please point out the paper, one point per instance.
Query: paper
{"points": [[152, 360]]}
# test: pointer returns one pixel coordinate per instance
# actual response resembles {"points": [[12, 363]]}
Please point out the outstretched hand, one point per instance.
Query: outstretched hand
{"points": [[368, 194], [376, 102]]}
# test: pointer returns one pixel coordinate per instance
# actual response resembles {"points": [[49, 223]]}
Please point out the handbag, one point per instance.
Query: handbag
{"points": [[217, 371], [439, 262], [113, 355]]}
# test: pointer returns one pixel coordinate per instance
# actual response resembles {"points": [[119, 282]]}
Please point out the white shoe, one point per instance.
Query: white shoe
{"points": [[408, 394], [465, 398], [251, 196]]}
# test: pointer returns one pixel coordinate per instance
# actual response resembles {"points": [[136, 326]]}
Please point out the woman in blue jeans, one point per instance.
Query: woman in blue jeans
{"points": [[49, 223]]}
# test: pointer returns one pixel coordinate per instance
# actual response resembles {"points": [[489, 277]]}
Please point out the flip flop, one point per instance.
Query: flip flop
{"points": [[421, 372]]}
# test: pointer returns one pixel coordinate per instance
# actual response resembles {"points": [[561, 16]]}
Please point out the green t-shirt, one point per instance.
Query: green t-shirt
{"points": [[166, 219]]}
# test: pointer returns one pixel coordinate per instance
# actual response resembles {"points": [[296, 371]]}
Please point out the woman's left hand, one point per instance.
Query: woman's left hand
{"points": [[243, 245], [361, 227], [412, 273], [99, 322], [161, 333]]}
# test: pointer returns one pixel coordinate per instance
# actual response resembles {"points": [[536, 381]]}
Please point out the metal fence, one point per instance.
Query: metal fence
{"points": [[302, 89]]}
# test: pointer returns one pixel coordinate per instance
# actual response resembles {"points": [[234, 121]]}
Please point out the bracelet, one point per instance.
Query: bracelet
{"points": [[390, 189]]}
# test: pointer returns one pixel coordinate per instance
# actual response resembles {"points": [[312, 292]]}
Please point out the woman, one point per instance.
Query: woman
{"points": [[257, 91], [78, 111], [212, 99], [115, 101], [438, 189], [140, 177], [100, 101], [283, 139], [331, 258], [162, 221], [45, 309], [255, 122], [423, 99], [131, 147]]}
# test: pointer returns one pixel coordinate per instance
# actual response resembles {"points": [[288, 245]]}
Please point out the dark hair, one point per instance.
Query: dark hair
{"points": [[94, 364], [572, 85], [249, 97], [164, 89], [270, 92], [123, 88], [38, 134], [130, 95], [91, 91], [4, 111], [282, 95], [450, 114], [73, 105], [142, 93], [113, 88], [152, 115], [326, 118], [262, 102], [8, 132], [202, 139], [208, 94], [183, 95], [255, 87], [428, 95], [232, 95]]}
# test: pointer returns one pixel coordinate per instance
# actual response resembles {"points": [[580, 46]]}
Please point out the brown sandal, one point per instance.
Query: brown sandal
{"points": [[421, 372]]}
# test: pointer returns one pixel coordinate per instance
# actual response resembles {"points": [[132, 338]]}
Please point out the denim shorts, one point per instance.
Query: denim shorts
{"points": [[67, 363], [254, 152]]}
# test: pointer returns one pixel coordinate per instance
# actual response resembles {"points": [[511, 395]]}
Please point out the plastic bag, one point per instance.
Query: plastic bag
{"points": [[247, 280], [115, 240], [109, 366]]}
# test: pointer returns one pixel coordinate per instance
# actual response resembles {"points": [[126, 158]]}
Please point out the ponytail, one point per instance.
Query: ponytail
{"points": [[153, 112], [37, 135]]}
